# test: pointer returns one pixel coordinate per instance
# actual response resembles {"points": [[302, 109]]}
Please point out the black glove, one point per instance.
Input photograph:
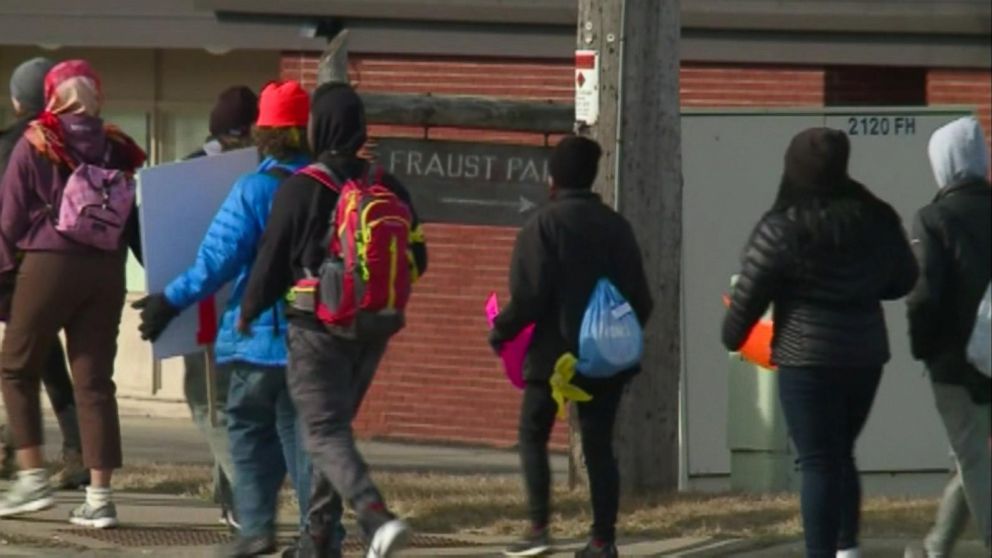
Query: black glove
{"points": [[156, 313]]}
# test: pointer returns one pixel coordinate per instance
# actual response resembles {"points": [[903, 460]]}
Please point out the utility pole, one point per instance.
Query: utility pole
{"points": [[634, 108]]}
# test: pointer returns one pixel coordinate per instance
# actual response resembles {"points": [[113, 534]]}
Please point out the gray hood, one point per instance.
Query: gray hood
{"points": [[958, 152]]}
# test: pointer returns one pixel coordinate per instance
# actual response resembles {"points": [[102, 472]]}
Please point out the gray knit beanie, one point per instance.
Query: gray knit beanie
{"points": [[27, 84]]}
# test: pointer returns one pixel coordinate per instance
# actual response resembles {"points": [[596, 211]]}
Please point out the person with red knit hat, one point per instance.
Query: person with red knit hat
{"points": [[36, 257], [261, 417]]}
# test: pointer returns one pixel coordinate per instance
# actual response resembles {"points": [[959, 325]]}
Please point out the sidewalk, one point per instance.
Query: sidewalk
{"points": [[169, 526]]}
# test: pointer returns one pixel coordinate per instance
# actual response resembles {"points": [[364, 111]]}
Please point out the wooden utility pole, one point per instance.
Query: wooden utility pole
{"points": [[637, 43]]}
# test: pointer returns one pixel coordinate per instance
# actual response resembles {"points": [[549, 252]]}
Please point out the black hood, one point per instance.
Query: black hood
{"points": [[337, 120]]}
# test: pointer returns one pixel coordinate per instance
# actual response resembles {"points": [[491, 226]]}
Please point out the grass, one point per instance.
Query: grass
{"points": [[494, 505]]}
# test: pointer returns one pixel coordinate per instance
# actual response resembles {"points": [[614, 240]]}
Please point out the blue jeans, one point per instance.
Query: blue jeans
{"points": [[195, 388], [265, 446], [825, 410]]}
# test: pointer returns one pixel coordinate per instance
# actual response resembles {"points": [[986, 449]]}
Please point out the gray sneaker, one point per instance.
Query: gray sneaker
{"points": [[26, 495], [103, 517]]}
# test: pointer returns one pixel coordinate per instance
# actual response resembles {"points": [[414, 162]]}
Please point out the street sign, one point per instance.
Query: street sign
{"points": [[586, 86], [466, 182]]}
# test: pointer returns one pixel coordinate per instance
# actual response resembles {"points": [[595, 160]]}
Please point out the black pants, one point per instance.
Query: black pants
{"points": [[596, 419], [825, 410]]}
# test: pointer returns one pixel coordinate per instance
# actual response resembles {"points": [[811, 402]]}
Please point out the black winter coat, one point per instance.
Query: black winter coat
{"points": [[826, 287], [558, 258], [952, 238]]}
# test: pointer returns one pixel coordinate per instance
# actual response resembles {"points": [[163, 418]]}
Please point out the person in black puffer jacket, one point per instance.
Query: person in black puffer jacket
{"points": [[825, 256]]}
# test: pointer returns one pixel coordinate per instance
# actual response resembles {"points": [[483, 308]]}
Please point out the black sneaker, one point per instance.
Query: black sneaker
{"points": [[386, 534], [246, 547], [537, 542], [597, 549]]}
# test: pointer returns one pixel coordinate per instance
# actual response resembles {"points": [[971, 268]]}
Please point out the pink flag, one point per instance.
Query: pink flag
{"points": [[513, 352]]}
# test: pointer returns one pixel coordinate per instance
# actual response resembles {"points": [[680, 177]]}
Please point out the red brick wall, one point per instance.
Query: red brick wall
{"points": [[439, 381], [971, 88]]}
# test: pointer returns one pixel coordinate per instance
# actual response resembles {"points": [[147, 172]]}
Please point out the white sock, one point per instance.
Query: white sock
{"points": [[34, 476], [849, 553], [97, 497]]}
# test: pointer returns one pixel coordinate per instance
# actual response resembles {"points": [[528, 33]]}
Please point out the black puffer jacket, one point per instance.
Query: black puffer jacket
{"points": [[953, 241], [825, 268]]}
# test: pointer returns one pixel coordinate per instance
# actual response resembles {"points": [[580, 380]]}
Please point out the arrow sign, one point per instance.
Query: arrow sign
{"points": [[523, 205], [466, 182]]}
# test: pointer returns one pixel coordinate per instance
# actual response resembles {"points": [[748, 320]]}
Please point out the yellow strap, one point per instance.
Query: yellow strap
{"points": [[562, 390]]}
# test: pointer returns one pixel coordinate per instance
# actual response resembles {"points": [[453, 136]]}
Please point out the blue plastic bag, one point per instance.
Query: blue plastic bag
{"points": [[610, 340]]}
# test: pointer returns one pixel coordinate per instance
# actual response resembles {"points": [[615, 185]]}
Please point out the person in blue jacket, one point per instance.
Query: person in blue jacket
{"points": [[261, 416]]}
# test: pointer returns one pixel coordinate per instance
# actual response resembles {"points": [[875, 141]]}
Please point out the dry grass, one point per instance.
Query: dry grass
{"points": [[494, 505]]}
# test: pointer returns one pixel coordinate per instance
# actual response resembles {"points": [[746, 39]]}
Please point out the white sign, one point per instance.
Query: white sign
{"points": [[178, 202], [586, 86]]}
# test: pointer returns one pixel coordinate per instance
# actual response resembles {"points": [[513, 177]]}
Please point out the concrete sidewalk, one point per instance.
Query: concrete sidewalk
{"points": [[170, 526], [178, 441]]}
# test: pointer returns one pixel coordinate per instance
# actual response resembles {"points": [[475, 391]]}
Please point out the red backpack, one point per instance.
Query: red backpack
{"points": [[364, 283]]}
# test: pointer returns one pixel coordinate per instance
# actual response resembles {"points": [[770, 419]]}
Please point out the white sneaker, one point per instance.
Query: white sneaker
{"points": [[103, 517], [28, 494], [390, 537]]}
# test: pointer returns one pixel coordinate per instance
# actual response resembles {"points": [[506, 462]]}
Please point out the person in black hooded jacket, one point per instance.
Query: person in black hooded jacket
{"points": [[328, 375], [825, 256]]}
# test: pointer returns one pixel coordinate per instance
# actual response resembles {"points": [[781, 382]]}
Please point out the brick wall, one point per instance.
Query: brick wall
{"points": [[439, 381], [963, 87]]}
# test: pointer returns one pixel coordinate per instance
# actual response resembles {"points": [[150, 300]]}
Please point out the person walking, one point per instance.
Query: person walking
{"points": [[35, 259], [261, 418], [231, 120], [329, 374], [559, 257], [952, 238], [27, 93], [824, 256]]}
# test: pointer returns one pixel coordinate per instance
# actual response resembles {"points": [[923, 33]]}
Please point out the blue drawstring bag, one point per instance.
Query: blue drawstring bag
{"points": [[610, 340]]}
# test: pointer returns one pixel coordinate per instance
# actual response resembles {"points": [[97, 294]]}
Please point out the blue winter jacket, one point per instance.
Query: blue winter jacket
{"points": [[227, 253]]}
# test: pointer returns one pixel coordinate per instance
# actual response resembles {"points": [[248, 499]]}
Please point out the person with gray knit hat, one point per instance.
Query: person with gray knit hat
{"points": [[27, 93]]}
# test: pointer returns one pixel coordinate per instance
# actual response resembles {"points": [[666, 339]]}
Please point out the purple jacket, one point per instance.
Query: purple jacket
{"points": [[30, 189]]}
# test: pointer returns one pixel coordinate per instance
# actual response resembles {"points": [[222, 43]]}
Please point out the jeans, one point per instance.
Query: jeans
{"points": [[328, 378], [968, 428], [261, 423], [825, 411], [596, 420], [952, 519], [195, 388]]}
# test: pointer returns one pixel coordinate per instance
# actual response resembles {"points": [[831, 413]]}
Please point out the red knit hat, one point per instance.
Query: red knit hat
{"points": [[283, 104]]}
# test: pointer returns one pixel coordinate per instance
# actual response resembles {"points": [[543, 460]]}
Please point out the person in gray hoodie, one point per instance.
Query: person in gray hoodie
{"points": [[952, 238]]}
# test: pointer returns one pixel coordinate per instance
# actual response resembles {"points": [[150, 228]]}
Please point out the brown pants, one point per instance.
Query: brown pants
{"points": [[82, 294]]}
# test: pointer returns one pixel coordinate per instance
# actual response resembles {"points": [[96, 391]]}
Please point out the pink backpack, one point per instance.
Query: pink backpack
{"points": [[96, 205]]}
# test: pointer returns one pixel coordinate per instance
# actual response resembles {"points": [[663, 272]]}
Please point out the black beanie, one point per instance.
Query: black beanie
{"points": [[817, 159], [575, 162], [234, 113]]}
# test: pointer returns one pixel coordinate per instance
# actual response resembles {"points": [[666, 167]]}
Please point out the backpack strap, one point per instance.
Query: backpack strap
{"points": [[322, 174]]}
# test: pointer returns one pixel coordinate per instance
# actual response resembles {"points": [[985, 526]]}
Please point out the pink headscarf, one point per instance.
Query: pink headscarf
{"points": [[72, 87]]}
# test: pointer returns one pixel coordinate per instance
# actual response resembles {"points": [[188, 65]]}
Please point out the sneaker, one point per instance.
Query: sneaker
{"points": [[386, 533], [537, 542], [72, 475], [103, 517], [29, 493], [597, 549], [245, 547], [228, 520], [918, 551]]}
